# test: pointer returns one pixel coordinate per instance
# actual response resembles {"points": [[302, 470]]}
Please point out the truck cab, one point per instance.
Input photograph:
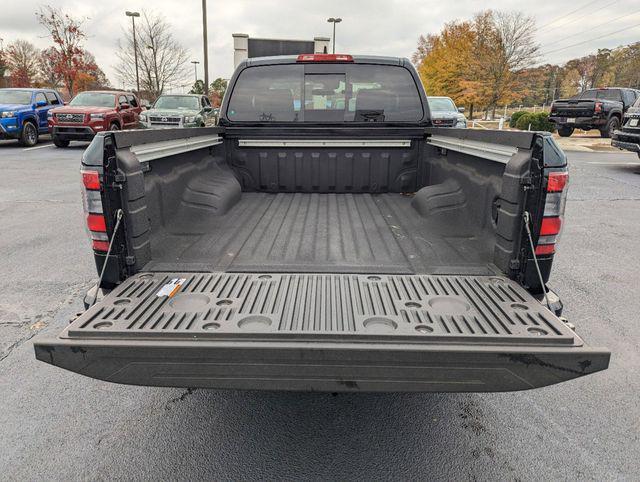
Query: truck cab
{"points": [[325, 236]]}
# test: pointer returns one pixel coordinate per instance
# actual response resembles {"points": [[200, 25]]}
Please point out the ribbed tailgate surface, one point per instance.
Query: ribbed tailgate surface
{"points": [[417, 308]]}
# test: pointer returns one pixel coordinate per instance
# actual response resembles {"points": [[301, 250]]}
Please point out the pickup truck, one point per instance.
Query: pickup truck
{"points": [[600, 109], [325, 236], [628, 137], [91, 112], [23, 113]]}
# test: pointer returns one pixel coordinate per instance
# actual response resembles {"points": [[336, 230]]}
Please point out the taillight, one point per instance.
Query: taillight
{"points": [[100, 245], [556, 196], [96, 222], [92, 202], [91, 180], [598, 108], [324, 58]]}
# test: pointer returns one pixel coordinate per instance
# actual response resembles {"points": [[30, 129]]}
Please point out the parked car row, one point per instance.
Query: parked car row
{"points": [[25, 114]]}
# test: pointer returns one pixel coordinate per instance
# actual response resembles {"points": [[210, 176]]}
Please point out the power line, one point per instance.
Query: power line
{"points": [[568, 14], [590, 40], [599, 25], [585, 15]]}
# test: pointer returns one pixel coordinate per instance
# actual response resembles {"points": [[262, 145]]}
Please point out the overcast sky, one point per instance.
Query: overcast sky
{"points": [[380, 27]]}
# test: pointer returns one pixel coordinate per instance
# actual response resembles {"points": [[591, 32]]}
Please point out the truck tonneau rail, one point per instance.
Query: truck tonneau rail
{"points": [[322, 332]]}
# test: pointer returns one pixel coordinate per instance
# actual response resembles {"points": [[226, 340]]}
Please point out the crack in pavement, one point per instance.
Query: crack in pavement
{"points": [[181, 398], [75, 290]]}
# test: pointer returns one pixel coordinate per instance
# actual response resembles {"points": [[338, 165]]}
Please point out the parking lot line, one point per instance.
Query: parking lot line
{"points": [[37, 147], [601, 163]]}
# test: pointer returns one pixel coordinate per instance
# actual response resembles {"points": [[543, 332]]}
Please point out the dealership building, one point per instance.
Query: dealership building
{"points": [[245, 47]]}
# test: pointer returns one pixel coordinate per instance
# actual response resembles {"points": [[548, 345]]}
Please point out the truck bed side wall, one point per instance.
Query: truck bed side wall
{"points": [[457, 194]]}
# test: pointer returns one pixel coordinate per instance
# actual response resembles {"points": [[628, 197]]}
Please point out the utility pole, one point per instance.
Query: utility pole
{"points": [[133, 16], [334, 21], [205, 48]]}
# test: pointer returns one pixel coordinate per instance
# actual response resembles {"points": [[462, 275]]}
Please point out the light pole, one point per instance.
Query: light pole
{"points": [[205, 48], [334, 21], [195, 68], [133, 16], [155, 68]]}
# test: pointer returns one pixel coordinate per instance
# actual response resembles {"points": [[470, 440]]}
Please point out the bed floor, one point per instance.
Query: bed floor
{"points": [[320, 233]]}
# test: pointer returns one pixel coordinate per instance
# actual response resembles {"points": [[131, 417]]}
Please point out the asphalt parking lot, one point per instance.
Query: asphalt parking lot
{"points": [[58, 425]]}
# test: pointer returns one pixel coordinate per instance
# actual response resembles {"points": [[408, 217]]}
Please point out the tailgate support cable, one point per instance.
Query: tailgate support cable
{"points": [[106, 259], [527, 221]]}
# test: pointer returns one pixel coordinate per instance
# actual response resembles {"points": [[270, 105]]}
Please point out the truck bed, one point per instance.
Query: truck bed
{"points": [[315, 233]]}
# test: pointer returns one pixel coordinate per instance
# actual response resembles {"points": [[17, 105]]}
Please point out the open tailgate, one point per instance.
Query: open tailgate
{"points": [[341, 332]]}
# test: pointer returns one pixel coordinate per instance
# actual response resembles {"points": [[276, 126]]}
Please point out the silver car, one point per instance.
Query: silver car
{"points": [[444, 113]]}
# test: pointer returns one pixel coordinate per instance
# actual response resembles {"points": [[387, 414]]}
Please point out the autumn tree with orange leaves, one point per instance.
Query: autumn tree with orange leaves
{"points": [[22, 62], [478, 61]]}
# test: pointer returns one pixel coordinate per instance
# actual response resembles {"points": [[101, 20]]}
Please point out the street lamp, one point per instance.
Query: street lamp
{"points": [[195, 68], [155, 68], [334, 21], [133, 16]]}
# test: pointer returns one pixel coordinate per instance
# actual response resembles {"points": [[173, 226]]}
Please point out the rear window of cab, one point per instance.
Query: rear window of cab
{"points": [[350, 93]]}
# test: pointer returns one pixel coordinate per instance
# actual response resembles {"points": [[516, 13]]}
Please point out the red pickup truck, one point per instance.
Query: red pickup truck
{"points": [[91, 112]]}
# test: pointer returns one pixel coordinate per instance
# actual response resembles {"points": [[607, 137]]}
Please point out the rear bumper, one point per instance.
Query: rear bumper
{"points": [[317, 332], [579, 121], [76, 133], [321, 366], [626, 140]]}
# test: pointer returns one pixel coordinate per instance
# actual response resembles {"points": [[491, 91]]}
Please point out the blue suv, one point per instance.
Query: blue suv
{"points": [[23, 113]]}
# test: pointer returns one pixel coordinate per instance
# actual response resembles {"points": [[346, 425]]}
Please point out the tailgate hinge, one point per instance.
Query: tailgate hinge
{"points": [[527, 183], [120, 176], [130, 260]]}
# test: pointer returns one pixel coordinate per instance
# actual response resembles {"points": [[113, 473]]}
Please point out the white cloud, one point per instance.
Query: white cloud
{"points": [[380, 27]]}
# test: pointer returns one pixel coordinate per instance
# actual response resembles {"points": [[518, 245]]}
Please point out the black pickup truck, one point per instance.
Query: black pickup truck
{"points": [[600, 109], [325, 236], [628, 137]]}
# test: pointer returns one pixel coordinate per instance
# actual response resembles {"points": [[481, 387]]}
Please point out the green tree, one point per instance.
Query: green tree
{"points": [[219, 86], [197, 88]]}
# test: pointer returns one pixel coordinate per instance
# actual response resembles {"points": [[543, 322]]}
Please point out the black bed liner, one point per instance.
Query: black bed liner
{"points": [[367, 332], [303, 232]]}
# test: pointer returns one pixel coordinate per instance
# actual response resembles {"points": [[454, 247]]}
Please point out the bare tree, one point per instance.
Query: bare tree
{"points": [[505, 46], [162, 60], [425, 44], [3, 59], [49, 73], [23, 60]]}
